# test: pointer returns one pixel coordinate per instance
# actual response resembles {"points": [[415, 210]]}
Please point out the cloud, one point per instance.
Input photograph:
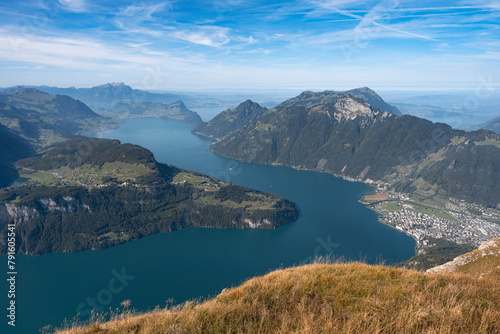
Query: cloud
{"points": [[74, 5], [143, 12], [141, 20], [75, 53], [492, 4], [204, 35]]}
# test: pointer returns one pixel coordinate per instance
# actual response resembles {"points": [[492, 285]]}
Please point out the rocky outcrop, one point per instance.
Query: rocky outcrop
{"points": [[488, 249], [11, 213], [257, 223]]}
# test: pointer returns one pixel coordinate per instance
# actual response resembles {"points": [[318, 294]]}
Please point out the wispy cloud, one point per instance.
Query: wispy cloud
{"points": [[493, 4], [74, 5], [75, 53], [203, 35], [144, 12], [142, 20]]}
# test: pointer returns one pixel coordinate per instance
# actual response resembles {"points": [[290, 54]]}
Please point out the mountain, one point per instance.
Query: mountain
{"points": [[42, 118], [122, 101], [328, 298], [12, 148], [348, 137], [176, 111], [57, 106], [90, 193], [230, 120], [310, 99], [102, 97], [493, 125]]}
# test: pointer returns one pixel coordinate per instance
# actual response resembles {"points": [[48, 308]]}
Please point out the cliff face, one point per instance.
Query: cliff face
{"points": [[11, 213], [20, 214]]}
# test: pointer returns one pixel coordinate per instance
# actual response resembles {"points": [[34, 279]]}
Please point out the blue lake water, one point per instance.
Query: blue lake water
{"points": [[200, 262]]}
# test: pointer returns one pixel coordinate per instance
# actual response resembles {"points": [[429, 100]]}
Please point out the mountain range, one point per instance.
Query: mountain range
{"points": [[346, 136], [117, 100], [249, 111], [103, 96]]}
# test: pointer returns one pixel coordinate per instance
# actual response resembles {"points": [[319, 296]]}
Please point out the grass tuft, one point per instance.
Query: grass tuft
{"points": [[330, 298]]}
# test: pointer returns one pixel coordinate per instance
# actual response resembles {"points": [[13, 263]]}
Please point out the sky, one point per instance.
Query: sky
{"points": [[251, 44]]}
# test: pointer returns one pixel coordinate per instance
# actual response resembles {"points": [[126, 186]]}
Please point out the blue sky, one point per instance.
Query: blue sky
{"points": [[303, 44]]}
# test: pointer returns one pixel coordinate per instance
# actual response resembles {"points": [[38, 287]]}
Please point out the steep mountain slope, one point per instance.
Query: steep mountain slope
{"points": [[323, 298], [57, 106], [230, 120], [42, 118], [176, 111], [348, 137], [493, 125], [12, 148], [310, 99], [95, 193]]}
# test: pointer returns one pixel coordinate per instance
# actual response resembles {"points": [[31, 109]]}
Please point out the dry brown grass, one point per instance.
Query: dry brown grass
{"points": [[326, 298], [483, 262]]}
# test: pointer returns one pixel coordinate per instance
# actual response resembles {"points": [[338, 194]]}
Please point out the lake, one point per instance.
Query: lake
{"points": [[200, 262]]}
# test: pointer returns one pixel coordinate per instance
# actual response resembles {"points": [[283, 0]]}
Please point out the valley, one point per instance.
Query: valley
{"points": [[433, 182]]}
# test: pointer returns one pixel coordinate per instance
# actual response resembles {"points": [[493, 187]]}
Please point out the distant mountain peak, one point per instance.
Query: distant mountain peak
{"points": [[310, 99], [178, 103], [230, 120], [113, 84], [23, 91], [247, 104]]}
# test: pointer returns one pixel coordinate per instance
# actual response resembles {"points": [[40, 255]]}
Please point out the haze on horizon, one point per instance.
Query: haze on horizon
{"points": [[249, 44]]}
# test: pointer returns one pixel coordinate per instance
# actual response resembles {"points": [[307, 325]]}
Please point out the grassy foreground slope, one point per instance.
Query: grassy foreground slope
{"points": [[326, 298], [481, 262]]}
